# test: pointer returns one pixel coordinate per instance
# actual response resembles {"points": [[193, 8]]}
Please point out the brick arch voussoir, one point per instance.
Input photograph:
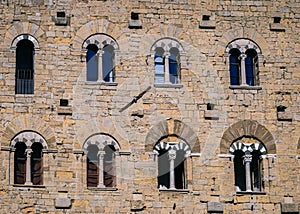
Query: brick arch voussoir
{"points": [[247, 128], [98, 26], [28, 123], [21, 28], [172, 127]]}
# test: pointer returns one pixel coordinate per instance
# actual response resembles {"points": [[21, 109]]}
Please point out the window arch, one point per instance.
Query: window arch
{"points": [[172, 164], [28, 156], [24, 67], [248, 168], [167, 65], [243, 62], [101, 150], [100, 57]]}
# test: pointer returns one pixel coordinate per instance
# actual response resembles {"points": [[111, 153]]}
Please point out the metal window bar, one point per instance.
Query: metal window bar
{"points": [[24, 81]]}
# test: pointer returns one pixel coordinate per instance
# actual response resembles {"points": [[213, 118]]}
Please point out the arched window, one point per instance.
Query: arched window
{"points": [[101, 151], [24, 67], [171, 164], [251, 66], [174, 66], [159, 66], [100, 57], [234, 66], [167, 61], [28, 158], [243, 62], [92, 63], [108, 63], [248, 168], [20, 163]]}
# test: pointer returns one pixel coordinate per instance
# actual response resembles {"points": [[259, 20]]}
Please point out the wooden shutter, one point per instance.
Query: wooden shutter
{"points": [[20, 163]]}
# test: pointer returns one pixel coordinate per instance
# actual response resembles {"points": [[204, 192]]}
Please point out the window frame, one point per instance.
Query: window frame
{"points": [[171, 149], [166, 47], [245, 153], [35, 146], [103, 143], [246, 48], [105, 44]]}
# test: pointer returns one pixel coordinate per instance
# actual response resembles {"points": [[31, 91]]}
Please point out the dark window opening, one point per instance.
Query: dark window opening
{"points": [[92, 62], [92, 166], [20, 163], [24, 67], [109, 168], [179, 171], [174, 66], [36, 164], [159, 66], [234, 66], [108, 63], [163, 178], [239, 171], [251, 66], [256, 169]]}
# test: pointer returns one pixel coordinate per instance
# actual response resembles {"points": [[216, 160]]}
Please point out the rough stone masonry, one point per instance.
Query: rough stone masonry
{"points": [[206, 90]]}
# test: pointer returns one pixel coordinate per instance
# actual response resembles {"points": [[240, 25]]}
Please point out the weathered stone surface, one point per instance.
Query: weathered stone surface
{"points": [[204, 32]]}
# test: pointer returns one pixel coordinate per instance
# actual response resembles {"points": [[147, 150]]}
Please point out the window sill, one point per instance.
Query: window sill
{"points": [[167, 85], [103, 188], [28, 186], [175, 190], [24, 95], [246, 87], [250, 193], [101, 83]]}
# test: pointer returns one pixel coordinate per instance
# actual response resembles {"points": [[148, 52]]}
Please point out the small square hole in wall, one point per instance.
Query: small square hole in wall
{"points": [[64, 102], [277, 19], [210, 106], [61, 14], [205, 18], [134, 16]]}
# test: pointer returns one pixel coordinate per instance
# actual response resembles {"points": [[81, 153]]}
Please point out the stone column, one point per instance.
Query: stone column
{"points": [[167, 70], [172, 156], [247, 161], [100, 73], [100, 169], [28, 167], [243, 70]]}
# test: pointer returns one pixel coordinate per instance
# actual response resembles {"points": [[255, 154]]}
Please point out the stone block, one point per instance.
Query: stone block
{"points": [[289, 208], [62, 203], [215, 207]]}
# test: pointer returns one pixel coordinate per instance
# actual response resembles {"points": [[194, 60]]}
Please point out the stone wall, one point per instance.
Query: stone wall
{"points": [[203, 29]]}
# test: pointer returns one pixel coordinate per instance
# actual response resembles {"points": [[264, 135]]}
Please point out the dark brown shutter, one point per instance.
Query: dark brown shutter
{"points": [[36, 164], [92, 173], [20, 163]]}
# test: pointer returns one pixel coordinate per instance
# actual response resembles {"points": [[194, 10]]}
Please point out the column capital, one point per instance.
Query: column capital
{"points": [[100, 52], [28, 152], [243, 56], [167, 54], [172, 154], [247, 158], [101, 154]]}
